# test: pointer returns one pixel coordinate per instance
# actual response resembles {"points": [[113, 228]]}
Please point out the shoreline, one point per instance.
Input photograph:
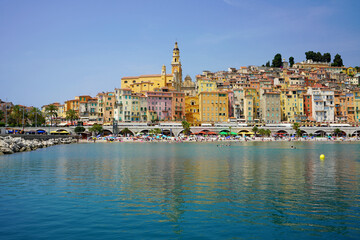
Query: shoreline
{"points": [[212, 140], [11, 145]]}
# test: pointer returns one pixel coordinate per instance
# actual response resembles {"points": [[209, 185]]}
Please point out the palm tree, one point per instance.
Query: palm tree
{"points": [[51, 110], [96, 128], [337, 132], [16, 115], [268, 132], [296, 127], [1, 115], [156, 131], [35, 116], [186, 127], [255, 130], [126, 131], [262, 132], [71, 115]]}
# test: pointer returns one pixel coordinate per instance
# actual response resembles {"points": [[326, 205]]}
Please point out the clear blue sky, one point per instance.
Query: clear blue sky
{"points": [[52, 51]]}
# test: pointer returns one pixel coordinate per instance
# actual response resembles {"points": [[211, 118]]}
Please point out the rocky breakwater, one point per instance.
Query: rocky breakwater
{"points": [[9, 145]]}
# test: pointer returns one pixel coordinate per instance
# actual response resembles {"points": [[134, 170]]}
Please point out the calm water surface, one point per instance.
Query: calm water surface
{"points": [[182, 191]]}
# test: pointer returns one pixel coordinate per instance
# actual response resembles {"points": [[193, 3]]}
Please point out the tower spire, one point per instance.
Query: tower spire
{"points": [[176, 68]]}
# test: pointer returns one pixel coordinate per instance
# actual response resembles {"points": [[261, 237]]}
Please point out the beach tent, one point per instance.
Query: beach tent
{"points": [[211, 133], [246, 133]]}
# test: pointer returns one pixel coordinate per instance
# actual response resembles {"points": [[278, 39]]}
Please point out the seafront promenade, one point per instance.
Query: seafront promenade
{"points": [[177, 131]]}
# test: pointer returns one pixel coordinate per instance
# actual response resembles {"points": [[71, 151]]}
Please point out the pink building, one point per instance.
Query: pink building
{"points": [[161, 104]]}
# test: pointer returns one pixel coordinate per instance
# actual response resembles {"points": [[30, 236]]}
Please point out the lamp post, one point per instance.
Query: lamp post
{"points": [[23, 121], [36, 113], [115, 127], [6, 114]]}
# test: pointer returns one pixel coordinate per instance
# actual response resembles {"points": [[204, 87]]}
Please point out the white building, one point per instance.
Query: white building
{"points": [[123, 104], [322, 104]]}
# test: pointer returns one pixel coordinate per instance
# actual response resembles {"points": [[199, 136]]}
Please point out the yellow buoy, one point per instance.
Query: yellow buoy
{"points": [[322, 157]]}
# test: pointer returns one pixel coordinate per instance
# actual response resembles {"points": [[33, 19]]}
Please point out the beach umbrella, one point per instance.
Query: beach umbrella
{"points": [[223, 133], [233, 133]]}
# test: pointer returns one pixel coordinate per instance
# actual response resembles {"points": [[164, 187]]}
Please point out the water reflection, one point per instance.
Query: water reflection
{"points": [[189, 187]]}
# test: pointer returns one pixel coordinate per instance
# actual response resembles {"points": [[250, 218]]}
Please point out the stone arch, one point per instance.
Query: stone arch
{"points": [[107, 132], [205, 130], [144, 131], [321, 133], [182, 131], [356, 133], [41, 131], [224, 130], [168, 132], [302, 133], [282, 133], [130, 132], [340, 134], [243, 131]]}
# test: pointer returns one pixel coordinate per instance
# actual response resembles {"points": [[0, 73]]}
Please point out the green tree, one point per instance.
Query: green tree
{"points": [[318, 57], [71, 115], [186, 127], [296, 127], [291, 61], [2, 115], [267, 64], [326, 57], [337, 131], [35, 116], [126, 131], [255, 130], [79, 129], [155, 131], [16, 116], [268, 132], [262, 132], [338, 62], [277, 61], [51, 111], [96, 128], [310, 55]]}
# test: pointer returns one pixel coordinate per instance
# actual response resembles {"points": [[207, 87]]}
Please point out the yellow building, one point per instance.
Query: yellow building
{"points": [[250, 91], [192, 110], [72, 104], [206, 85], [249, 108], [145, 83], [214, 106], [106, 103], [61, 112], [292, 105]]}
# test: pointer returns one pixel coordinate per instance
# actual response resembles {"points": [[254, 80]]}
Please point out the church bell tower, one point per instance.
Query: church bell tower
{"points": [[176, 68]]}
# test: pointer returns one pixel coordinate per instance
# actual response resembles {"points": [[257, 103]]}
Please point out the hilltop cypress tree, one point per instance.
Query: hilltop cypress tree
{"points": [[338, 62], [291, 61], [277, 61], [326, 57]]}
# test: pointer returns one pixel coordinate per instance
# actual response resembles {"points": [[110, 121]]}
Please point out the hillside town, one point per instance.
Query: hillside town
{"points": [[308, 92]]}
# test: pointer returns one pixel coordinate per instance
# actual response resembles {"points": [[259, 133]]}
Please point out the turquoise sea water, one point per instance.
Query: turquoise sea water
{"points": [[182, 191]]}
